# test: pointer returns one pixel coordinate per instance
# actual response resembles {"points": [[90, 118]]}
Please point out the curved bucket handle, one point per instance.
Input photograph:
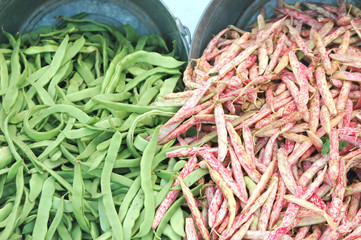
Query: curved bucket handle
{"points": [[185, 33]]}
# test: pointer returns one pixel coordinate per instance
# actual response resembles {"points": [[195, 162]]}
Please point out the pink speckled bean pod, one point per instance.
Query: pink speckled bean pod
{"points": [[214, 206], [348, 110], [213, 43], [302, 232], [301, 16], [243, 230], [307, 176], [316, 141], [276, 54], [260, 186], [238, 174], [268, 149], [334, 162], [217, 166], [300, 43], [172, 194], [303, 203], [354, 205], [194, 209], [325, 92], [293, 158], [314, 112], [262, 59], [188, 152], [325, 119], [190, 229], [243, 217], [227, 193], [221, 213], [266, 211], [242, 154], [221, 132], [277, 207]]}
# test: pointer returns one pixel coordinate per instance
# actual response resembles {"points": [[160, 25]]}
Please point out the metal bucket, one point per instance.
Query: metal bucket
{"points": [[149, 16], [221, 13]]}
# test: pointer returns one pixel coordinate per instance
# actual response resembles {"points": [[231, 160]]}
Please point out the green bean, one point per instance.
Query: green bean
{"points": [[77, 199], [149, 82], [138, 222], [63, 232], [28, 206], [40, 227], [63, 73], [138, 79], [130, 33], [8, 189], [164, 174], [12, 92], [54, 66], [117, 78], [146, 184], [141, 42], [105, 236], [76, 232], [112, 68], [105, 186], [157, 40], [32, 50], [36, 184], [133, 214], [129, 198], [168, 85], [130, 133], [177, 223], [39, 135], [126, 163], [56, 156], [84, 71], [148, 96], [133, 174], [28, 228], [94, 231], [6, 210], [10, 142], [98, 158], [56, 220], [133, 108], [83, 94], [104, 222], [13, 171], [179, 165], [192, 178], [10, 225], [140, 142], [168, 231], [5, 156], [29, 237], [135, 71], [80, 133], [4, 77], [60, 138]]}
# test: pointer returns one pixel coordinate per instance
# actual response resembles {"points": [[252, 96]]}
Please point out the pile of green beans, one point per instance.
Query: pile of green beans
{"points": [[76, 109]]}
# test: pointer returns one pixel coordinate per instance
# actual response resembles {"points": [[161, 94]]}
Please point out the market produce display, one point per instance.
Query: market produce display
{"points": [[274, 115], [101, 139], [76, 107]]}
